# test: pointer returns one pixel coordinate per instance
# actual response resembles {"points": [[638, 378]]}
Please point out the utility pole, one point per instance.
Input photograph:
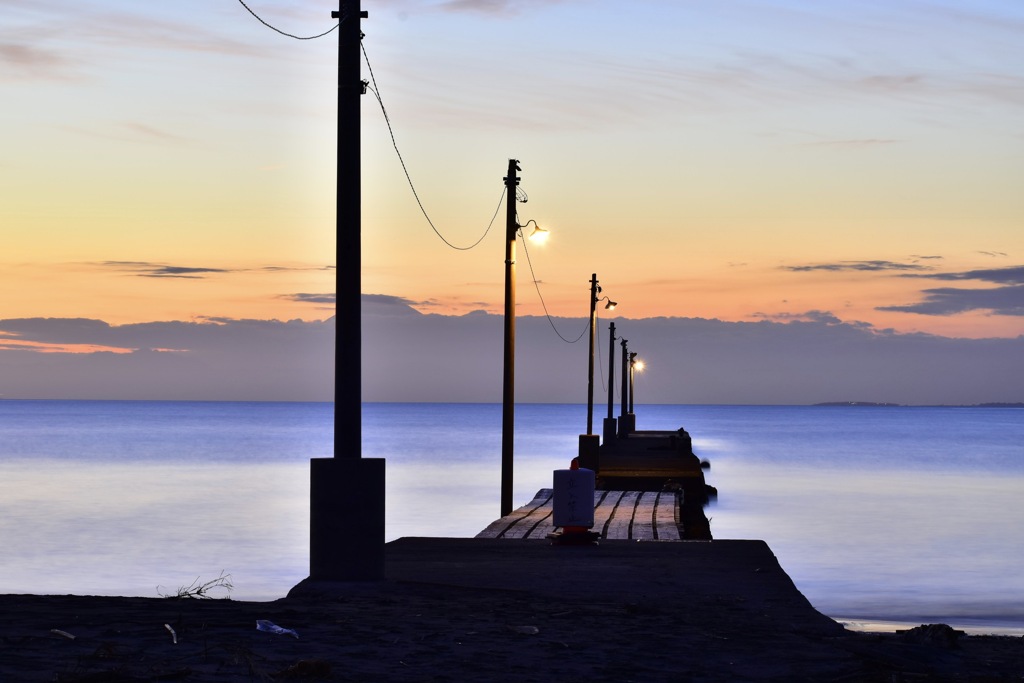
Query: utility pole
{"points": [[347, 491], [590, 443], [609, 422], [348, 273], [594, 289], [623, 419], [508, 406], [632, 389]]}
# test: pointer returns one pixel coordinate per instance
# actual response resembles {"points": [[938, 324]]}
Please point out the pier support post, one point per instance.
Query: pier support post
{"points": [[346, 519]]}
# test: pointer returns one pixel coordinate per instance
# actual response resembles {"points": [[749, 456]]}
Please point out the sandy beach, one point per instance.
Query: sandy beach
{"points": [[482, 610]]}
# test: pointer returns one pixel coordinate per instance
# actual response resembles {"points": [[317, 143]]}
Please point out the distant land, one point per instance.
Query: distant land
{"points": [[871, 404]]}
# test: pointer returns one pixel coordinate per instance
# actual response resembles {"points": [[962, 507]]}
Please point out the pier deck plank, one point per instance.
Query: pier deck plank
{"points": [[618, 515]]}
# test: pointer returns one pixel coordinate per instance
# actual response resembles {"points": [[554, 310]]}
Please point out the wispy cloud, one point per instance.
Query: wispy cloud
{"points": [[826, 317], [292, 269], [1007, 299], [143, 269], [304, 297], [495, 7], [164, 270], [152, 132], [868, 266], [953, 300], [1008, 275], [853, 144], [19, 61]]}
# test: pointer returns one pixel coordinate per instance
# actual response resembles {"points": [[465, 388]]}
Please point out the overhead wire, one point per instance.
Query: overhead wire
{"points": [[285, 33], [521, 195], [536, 284], [387, 119]]}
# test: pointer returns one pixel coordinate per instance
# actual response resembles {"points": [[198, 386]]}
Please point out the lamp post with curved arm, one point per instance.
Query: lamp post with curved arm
{"points": [[512, 229], [595, 289]]}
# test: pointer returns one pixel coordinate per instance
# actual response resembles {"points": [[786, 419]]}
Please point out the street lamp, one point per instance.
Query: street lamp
{"points": [[634, 366], [590, 443], [595, 289], [626, 418], [539, 234], [609, 422]]}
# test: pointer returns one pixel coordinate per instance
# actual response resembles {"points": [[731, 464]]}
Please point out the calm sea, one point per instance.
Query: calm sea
{"points": [[908, 515]]}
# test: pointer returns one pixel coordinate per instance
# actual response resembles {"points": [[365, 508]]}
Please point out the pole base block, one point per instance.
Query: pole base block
{"points": [[346, 519]]}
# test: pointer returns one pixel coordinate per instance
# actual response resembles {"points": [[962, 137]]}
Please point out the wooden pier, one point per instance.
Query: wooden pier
{"points": [[618, 515]]}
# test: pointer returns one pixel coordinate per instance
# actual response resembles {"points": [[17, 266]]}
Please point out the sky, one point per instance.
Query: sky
{"points": [[830, 185]]}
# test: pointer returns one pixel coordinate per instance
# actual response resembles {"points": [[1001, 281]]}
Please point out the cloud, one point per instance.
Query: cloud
{"points": [[302, 297], [861, 143], [163, 270], [691, 360], [148, 269], [225, 359], [869, 266], [181, 271], [408, 356], [952, 300], [1007, 299], [807, 316], [19, 61], [495, 7], [1009, 275], [892, 83], [387, 305], [153, 133], [291, 269]]}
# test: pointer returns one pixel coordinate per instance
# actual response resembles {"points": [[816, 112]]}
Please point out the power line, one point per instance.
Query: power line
{"points": [[283, 33], [387, 119], [536, 284]]}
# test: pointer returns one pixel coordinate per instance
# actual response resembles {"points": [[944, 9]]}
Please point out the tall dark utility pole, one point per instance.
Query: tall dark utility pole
{"points": [[347, 491], [609, 422], [508, 394], [348, 276], [623, 415], [594, 289], [590, 443]]}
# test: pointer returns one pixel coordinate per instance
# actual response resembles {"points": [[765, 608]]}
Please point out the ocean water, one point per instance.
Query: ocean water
{"points": [[880, 516]]}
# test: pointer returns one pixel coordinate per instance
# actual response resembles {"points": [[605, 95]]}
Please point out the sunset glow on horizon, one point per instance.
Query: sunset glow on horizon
{"points": [[774, 160]]}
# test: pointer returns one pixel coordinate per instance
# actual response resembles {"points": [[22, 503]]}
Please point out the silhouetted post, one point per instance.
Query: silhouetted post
{"points": [[590, 443], [609, 422], [623, 419], [594, 289], [632, 372], [347, 491], [508, 407]]}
